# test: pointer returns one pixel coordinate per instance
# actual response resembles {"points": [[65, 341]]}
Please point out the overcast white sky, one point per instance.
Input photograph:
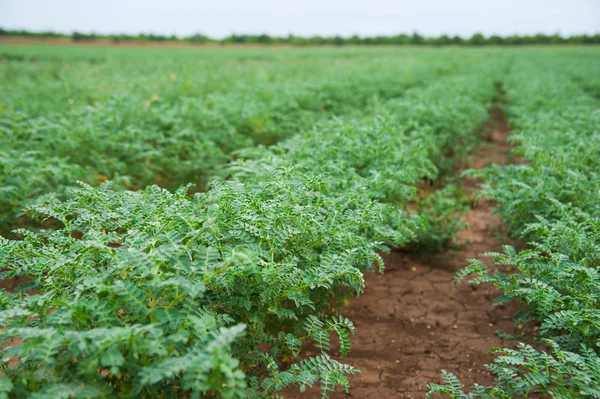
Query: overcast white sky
{"points": [[304, 17]]}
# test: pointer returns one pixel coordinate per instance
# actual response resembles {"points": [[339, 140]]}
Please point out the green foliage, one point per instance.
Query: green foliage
{"points": [[385, 156], [156, 293], [145, 118], [526, 372], [439, 210], [551, 200], [159, 287], [26, 175]]}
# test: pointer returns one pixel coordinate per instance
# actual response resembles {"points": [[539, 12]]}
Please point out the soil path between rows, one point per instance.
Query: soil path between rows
{"points": [[413, 321]]}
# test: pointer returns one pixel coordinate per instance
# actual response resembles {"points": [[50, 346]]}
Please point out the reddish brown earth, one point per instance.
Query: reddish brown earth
{"points": [[413, 321]]}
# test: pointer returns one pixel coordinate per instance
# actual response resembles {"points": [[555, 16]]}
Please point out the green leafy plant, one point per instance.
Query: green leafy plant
{"points": [[142, 118], [157, 293], [552, 201]]}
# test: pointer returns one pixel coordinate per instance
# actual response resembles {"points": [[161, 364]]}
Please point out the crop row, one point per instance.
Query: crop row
{"points": [[170, 124], [582, 68], [552, 202], [153, 293]]}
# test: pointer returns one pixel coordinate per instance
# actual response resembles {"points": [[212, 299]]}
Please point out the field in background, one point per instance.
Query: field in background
{"points": [[175, 116]]}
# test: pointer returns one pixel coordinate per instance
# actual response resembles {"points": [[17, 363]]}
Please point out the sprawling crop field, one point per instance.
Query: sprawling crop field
{"points": [[183, 223]]}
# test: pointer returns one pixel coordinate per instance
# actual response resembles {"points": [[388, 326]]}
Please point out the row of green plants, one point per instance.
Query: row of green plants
{"points": [[169, 124], [583, 69], [153, 293], [551, 201]]}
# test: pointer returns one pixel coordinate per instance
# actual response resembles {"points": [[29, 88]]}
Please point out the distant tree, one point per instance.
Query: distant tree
{"points": [[354, 40], [198, 38], [337, 41], [514, 40], [528, 39], [443, 40], [456, 40], [77, 36], [416, 39], [156, 38], [297, 40], [317, 40], [401, 40], [264, 39], [540, 38], [235, 39], [556, 39], [477, 40], [383, 40], [495, 40]]}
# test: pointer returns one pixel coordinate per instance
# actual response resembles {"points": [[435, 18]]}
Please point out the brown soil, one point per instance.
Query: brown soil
{"points": [[412, 322]]}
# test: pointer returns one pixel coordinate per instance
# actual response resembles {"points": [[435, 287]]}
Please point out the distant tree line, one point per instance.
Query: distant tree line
{"points": [[477, 39]]}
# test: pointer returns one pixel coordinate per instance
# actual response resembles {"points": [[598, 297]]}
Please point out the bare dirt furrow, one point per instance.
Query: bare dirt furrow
{"points": [[412, 321]]}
